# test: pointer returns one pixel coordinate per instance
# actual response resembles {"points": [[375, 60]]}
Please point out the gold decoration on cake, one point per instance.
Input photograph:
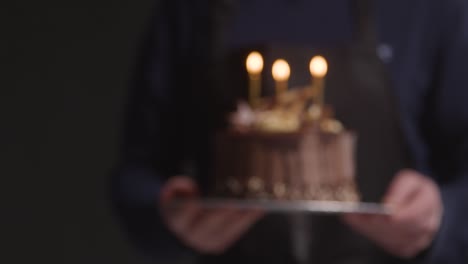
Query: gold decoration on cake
{"points": [[234, 186], [288, 113], [296, 194], [314, 113], [279, 189], [254, 65], [331, 126], [255, 185], [278, 120]]}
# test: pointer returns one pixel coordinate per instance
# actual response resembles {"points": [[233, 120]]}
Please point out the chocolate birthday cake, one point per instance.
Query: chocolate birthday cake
{"points": [[286, 147]]}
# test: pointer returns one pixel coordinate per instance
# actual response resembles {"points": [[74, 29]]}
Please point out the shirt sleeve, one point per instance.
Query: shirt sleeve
{"points": [[151, 149], [449, 136]]}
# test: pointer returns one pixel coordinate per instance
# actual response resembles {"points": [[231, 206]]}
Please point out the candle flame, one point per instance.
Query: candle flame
{"points": [[254, 63], [281, 70], [318, 67]]}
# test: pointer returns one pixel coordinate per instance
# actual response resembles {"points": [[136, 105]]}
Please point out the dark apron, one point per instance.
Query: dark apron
{"points": [[359, 89]]}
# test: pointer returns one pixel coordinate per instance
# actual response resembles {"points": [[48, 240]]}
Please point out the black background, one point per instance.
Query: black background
{"points": [[65, 69]]}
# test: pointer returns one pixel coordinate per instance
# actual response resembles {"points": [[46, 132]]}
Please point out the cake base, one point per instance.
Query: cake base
{"points": [[306, 165]]}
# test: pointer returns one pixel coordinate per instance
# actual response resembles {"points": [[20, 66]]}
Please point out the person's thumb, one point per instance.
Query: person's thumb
{"points": [[403, 188], [178, 187]]}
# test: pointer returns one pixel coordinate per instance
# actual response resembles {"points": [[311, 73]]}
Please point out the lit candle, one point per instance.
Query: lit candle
{"points": [[281, 73], [318, 69], [254, 66]]}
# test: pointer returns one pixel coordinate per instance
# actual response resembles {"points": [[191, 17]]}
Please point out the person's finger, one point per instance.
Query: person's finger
{"points": [[364, 225], [217, 239], [418, 245], [210, 221], [411, 227], [202, 233], [181, 219], [380, 230], [421, 214], [178, 186], [413, 211], [368, 225], [418, 220], [366, 219], [403, 187], [238, 227], [240, 219]]}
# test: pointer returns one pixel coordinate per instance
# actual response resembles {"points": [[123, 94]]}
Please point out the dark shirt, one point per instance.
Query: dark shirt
{"points": [[424, 44]]}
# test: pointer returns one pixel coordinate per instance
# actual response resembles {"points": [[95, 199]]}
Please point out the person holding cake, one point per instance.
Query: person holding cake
{"points": [[389, 124]]}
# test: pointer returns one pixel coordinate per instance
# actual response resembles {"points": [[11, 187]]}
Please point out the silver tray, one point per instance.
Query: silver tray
{"points": [[318, 207]]}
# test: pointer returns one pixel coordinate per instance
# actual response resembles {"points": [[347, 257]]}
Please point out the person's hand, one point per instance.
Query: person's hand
{"points": [[206, 231], [415, 220]]}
